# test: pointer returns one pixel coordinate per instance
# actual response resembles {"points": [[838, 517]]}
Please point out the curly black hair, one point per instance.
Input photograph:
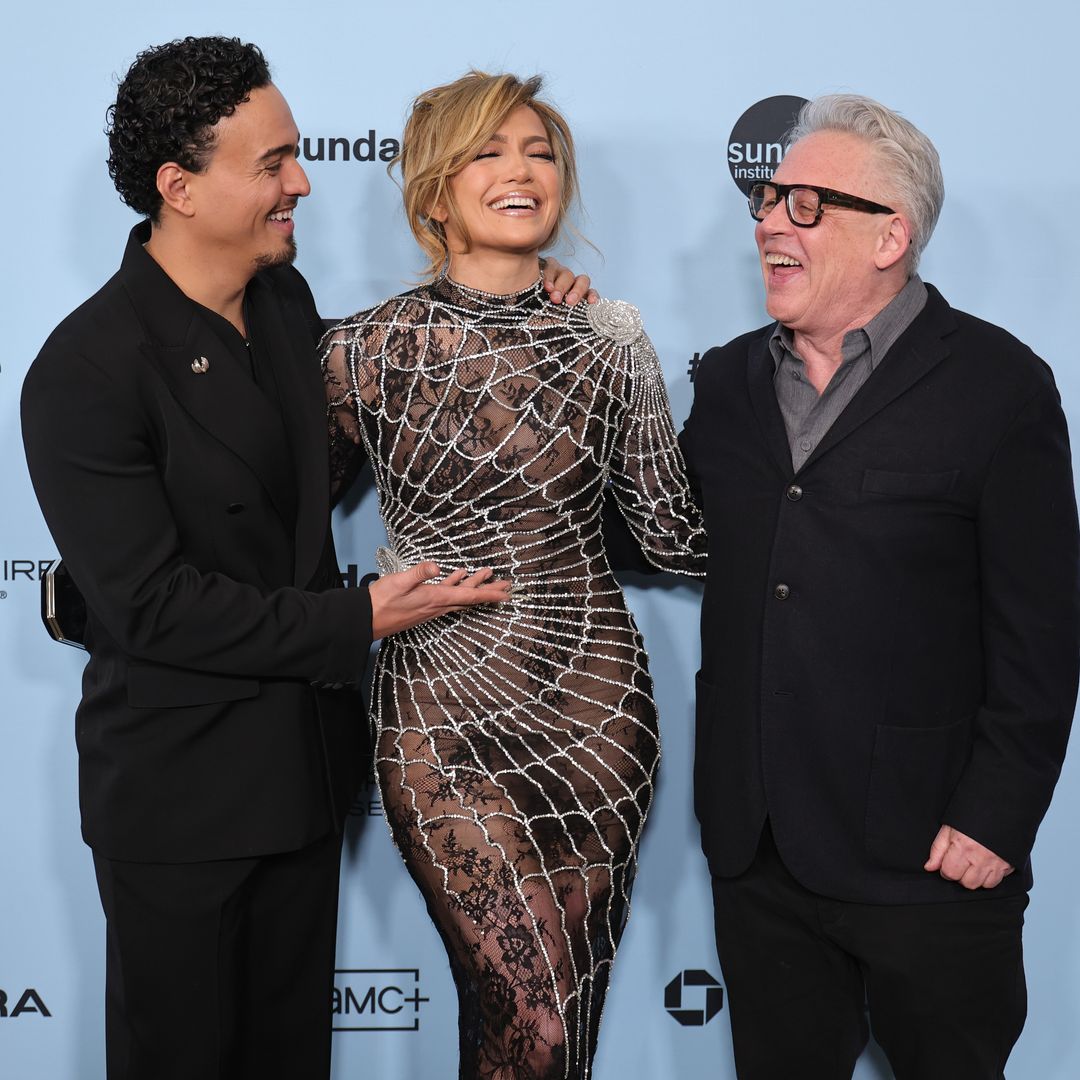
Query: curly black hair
{"points": [[166, 107]]}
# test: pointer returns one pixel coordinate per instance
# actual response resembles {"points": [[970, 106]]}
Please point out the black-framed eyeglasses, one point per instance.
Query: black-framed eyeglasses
{"points": [[805, 203]]}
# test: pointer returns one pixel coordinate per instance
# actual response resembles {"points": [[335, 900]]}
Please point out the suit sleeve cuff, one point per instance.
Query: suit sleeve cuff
{"points": [[348, 614]]}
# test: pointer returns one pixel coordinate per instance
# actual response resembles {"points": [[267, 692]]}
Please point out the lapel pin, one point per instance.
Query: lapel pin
{"points": [[200, 366]]}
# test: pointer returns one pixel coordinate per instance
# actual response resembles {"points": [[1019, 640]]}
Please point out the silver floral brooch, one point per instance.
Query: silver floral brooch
{"points": [[616, 319]]}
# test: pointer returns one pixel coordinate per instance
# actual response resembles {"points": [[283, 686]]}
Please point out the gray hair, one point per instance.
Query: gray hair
{"points": [[908, 158]]}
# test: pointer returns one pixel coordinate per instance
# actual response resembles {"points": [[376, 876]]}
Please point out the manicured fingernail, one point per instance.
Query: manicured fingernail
{"points": [[572, 297]]}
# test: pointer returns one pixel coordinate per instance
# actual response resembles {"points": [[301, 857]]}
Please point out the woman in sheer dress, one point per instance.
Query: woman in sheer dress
{"points": [[517, 743]]}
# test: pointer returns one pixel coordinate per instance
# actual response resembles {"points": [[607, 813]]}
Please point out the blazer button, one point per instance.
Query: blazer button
{"points": [[781, 592], [234, 508], [794, 493]]}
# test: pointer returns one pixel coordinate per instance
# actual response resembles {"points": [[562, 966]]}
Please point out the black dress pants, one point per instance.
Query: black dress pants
{"points": [[221, 970], [941, 985]]}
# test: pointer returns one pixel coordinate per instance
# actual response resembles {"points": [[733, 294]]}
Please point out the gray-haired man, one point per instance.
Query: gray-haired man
{"points": [[889, 633]]}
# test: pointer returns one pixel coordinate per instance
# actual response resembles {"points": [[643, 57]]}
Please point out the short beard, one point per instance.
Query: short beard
{"points": [[282, 258]]}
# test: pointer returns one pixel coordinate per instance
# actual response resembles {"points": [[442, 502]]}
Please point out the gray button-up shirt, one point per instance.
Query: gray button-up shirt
{"points": [[808, 415]]}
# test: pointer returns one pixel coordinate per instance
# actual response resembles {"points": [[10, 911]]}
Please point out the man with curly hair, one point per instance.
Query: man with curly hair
{"points": [[175, 428]]}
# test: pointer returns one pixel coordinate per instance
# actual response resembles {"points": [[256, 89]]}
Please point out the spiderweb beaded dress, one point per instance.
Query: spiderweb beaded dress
{"points": [[517, 743]]}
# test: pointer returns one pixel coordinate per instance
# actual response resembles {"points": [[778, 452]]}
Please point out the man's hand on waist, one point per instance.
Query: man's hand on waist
{"points": [[405, 599]]}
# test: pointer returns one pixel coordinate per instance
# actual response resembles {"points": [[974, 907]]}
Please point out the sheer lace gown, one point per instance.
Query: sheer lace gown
{"points": [[517, 744]]}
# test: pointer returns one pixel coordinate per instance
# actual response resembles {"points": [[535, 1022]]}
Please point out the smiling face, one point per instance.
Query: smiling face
{"points": [[507, 200], [243, 200], [823, 281]]}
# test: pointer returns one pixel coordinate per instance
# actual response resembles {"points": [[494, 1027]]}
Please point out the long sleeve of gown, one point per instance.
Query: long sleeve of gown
{"points": [[347, 456], [648, 473]]}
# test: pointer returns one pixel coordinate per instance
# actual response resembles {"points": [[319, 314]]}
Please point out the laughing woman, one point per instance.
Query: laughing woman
{"points": [[517, 744]]}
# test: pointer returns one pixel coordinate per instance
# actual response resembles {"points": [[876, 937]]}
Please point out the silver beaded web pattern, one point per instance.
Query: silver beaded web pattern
{"points": [[517, 744]]}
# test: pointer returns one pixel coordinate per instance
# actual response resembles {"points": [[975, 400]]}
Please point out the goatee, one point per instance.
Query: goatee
{"points": [[285, 257]]}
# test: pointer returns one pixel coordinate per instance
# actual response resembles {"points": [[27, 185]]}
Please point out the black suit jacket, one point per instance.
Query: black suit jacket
{"points": [[193, 514], [890, 635]]}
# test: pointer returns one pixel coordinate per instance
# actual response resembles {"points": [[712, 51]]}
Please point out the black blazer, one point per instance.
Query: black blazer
{"points": [[193, 514], [890, 636]]}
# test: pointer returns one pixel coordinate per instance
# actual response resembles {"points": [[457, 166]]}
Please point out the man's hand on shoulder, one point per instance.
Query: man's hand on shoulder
{"points": [[959, 858], [563, 286], [406, 599]]}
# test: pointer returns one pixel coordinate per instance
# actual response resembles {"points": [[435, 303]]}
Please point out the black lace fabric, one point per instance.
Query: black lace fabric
{"points": [[517, 744]]}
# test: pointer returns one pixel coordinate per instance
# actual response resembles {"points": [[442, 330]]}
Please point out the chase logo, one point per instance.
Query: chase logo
{"points": [[693, 997], [377, 999], [756, 143]]}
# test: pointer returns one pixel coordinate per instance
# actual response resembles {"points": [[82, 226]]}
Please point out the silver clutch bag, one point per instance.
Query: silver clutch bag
{"points": [[63, 610]]}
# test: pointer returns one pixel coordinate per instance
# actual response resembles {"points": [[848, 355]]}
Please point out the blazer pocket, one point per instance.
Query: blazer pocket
{"points": [[909, 485], [913, 773], [158, 686]]}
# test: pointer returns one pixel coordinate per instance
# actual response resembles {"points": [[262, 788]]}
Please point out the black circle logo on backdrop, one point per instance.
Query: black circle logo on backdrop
{"points": [[756, 143], [679, 996]]}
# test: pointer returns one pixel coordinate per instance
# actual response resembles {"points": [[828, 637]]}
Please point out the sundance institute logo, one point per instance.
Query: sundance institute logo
{"points": [[368, 147], [685, 1001], [377, 999], [756, 144]]}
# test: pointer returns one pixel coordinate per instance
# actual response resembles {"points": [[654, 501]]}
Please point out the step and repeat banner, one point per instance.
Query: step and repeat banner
{"points": [[673, 106]]}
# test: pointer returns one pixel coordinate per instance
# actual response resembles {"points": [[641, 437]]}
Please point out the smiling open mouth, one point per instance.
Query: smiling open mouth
{"points": [[282, 215], [516, 202], [774, 258]]}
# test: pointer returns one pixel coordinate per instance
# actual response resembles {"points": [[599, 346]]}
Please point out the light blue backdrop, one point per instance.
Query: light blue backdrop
{"points": [[652, 93]]}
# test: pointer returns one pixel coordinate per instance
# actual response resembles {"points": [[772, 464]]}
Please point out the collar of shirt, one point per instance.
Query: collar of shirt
{"points": [[879, 334], [242, 348]]}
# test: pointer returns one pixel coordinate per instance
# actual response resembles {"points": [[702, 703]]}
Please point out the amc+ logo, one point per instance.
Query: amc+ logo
{"points": [[377, 999]]}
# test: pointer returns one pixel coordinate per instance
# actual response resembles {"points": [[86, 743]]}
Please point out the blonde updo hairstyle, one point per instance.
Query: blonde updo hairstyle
{"points": [[447, 127]]}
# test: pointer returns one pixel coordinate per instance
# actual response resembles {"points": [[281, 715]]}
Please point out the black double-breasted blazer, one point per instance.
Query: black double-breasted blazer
{"points": [[889, 635], [192, 509]]}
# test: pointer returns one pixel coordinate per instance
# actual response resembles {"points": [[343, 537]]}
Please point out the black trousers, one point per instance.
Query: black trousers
{"points": [[941, 985], [220, 970]]}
